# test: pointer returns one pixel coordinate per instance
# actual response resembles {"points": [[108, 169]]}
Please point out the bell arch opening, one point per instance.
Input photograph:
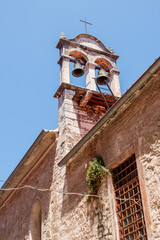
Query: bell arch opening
{"points": [[1, 236], [36, 221], [78, 79], [104, 63], [102, 75], [78, 55]]}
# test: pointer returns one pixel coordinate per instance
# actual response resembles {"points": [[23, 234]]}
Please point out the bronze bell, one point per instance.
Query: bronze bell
{"points": [[102, 78], [77, 70]]}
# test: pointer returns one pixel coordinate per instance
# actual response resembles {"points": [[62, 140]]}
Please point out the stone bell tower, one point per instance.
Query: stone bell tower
{"points": [[81, 107]]}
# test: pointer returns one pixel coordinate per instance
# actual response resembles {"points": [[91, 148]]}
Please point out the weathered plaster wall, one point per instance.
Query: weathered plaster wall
{"points": [[15, 214]]}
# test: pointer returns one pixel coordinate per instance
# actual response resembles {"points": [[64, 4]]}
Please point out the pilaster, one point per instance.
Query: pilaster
{"points": [[114, 81], [90, 76], [64, 69]]}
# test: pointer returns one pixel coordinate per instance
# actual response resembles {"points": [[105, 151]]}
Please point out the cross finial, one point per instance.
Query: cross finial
{"points": [[86, 24]]}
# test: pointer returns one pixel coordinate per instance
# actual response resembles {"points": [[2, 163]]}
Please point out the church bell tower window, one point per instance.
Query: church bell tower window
{"points": [[129, 202]]}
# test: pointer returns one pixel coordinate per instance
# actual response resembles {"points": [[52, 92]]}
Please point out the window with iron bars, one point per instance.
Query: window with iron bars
{"points": [[128, 201]]}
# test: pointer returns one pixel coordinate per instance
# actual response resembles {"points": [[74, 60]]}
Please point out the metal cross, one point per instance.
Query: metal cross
{"points": [[86, 23]]}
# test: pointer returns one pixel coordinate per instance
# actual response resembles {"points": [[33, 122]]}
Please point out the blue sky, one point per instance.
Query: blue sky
{"points": [[29, 73]]}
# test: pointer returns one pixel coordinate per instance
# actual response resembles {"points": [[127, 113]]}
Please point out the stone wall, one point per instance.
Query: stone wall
{"points": [[135, 130], [151, 166], [76, 218]]}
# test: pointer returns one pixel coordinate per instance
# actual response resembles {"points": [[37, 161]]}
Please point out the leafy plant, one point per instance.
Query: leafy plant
{"points": [[96, 171]]}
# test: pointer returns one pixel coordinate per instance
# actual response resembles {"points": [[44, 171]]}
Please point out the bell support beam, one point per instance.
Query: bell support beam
{"points": [[85, 99]]}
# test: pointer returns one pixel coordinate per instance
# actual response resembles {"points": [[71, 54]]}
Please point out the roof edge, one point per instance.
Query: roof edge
{"points": [[40, 137]]}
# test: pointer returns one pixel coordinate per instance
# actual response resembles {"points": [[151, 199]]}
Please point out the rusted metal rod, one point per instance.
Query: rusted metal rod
{"points": [[110, 89], [101, 93]]}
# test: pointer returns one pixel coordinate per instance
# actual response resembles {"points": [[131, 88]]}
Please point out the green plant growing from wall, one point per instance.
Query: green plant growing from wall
{"points": [[95, 173]]}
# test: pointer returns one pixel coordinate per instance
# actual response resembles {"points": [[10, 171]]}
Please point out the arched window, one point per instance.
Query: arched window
{"points": [[35, 221], [1, 237]]}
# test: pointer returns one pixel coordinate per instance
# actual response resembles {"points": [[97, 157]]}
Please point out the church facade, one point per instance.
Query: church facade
{"points": [[47, 196]]}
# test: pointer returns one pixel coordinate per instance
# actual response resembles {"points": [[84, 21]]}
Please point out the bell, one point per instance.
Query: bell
{"points": [[102, 78], [78, 70]]}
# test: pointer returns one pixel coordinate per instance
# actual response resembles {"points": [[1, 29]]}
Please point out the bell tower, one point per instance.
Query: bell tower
{"points": [[81, 107]]}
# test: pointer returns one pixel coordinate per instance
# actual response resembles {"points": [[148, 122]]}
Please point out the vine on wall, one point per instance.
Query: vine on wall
{"points": [[95, 173]]}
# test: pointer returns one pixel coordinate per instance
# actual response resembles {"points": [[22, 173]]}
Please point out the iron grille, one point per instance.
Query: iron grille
{"points": [[128, 201]]}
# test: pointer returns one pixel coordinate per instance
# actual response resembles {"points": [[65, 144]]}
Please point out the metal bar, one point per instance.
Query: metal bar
{"points": [[100, 67], [126, 176], [125, 169], [129, 208], [110, 89], [75, 60], [102, 94], [126, 184]]}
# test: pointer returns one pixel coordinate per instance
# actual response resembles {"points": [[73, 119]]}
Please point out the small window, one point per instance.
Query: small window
{"points": [[1, 237], [35, 221], [128, 202]]}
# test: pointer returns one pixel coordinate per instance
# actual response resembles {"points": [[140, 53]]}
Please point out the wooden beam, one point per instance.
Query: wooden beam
{"points": [[85, 99], [99, 97], [99, 103]]}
